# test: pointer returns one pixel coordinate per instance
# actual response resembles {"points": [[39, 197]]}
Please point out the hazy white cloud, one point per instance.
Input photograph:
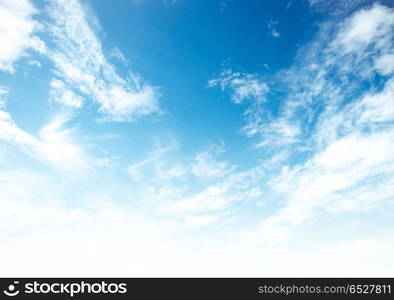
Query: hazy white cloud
{"points": [[200, 220], [11, 132], [187, 188], [213, 198], [130, 243], [166, 163], [55, 145], [205, 165], [18, 29], [52, 145], [162, 166]]}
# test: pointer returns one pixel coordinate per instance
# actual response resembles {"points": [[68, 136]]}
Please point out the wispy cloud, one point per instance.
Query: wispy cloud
{"points": [[60, 93], [52, 144], [18, 32], [342, 129], [189, 187], [117, 54], [81, 64], [206, 165], [352, 168], [242, 86], [83, 72], [271, 25]]}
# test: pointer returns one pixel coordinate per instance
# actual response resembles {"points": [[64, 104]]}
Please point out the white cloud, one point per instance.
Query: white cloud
{"points": [[214, 198], [35, 63], [366, 26], [206, 166], [10, 131], [218, 197], [270, 130], [199, 221], [333, 178], [81, 67], [378, 107], [272, 30], [385, 64], [338, 134], [81, 64], [130, 243], [3, 94], [61, 94], [176, 185], [53, 145], [242, 86], [277, 132], [18, 30], [352, 168], [56, 146], [117, 54], [160, 167]]}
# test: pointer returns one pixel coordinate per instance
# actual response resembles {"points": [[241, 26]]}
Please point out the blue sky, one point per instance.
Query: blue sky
{"points": [[196, 138]]}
